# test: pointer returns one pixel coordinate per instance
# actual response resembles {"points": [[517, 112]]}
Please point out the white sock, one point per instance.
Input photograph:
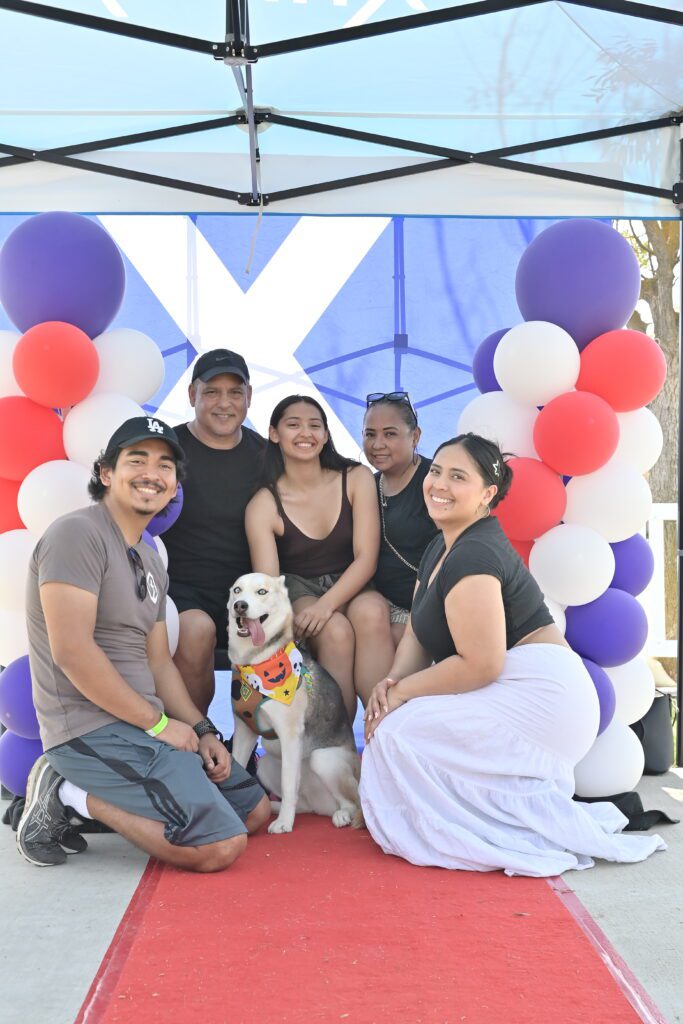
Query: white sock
{"points": [[72, 796]]}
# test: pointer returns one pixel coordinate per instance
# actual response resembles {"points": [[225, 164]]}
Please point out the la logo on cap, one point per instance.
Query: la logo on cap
{"points": [[154, 425]]}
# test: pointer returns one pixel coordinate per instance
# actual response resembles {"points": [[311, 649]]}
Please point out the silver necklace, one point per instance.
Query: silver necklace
{"points": [[382, 506]]}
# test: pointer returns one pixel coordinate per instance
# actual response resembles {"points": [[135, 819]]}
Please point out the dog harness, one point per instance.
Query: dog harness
{"points": [[278, 678]]}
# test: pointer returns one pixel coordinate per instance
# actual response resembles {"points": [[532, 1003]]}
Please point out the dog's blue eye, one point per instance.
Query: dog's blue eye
{"points": [[261, 592], [237, 590]]}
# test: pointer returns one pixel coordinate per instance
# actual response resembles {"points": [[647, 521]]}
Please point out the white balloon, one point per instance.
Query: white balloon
{"points": [[161, 548], [16, 548], [536, 361], [572, 564], [614, 764], [499, 418], [130, 364], [640, 438], [89, 425], [615, 500], [8, 382], [13, 636], [172, 625], [634, 688], [50, 491], [557, 612]]}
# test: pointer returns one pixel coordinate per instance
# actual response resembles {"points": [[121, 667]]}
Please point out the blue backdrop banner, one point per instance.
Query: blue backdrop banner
{"points": [[336, 306]]}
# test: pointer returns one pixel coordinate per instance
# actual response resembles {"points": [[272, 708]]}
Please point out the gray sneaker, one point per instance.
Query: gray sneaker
{"points": [[45, 822]]}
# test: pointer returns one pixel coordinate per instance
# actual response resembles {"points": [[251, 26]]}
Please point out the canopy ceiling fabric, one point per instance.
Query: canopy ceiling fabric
{"points": [[484, 83]]}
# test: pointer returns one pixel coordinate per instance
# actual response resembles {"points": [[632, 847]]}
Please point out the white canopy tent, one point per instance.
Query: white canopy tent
{"points": [[490, 108]]}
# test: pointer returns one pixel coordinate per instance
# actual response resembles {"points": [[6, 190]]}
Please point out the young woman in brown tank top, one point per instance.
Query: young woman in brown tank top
{"points": [[316, 520]]}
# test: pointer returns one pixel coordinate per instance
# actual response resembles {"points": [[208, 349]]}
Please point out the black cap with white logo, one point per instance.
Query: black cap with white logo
{"points": [[220, 360], [144, 428]]}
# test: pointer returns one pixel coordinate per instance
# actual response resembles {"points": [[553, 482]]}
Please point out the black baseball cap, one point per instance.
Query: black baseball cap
{"points": [[220, 360], [144, 428]]}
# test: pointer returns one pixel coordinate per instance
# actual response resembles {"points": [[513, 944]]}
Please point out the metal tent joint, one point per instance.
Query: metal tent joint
{"points": [[250, 199]]}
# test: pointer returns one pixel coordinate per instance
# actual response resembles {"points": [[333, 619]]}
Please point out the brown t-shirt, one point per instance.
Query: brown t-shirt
{"points": [[87, 550]]}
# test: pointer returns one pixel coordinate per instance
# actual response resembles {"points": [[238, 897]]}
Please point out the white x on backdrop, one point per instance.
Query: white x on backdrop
{"points": [[269, 321]]}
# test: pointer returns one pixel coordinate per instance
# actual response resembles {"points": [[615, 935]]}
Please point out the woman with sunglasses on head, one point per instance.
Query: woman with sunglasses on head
{"points": [[390, 439], [473, 740], [316, 520]]}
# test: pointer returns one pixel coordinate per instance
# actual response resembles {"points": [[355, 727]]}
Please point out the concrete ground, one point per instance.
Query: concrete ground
{"points": [[57, 924]]}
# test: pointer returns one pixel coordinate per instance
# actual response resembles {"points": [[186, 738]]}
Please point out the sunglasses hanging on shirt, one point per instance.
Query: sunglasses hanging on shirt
{"points": [[139, 570]]}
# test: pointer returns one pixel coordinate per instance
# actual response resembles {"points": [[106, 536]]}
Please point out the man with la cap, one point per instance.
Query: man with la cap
{"points": [[124, 743], [207, 545]]}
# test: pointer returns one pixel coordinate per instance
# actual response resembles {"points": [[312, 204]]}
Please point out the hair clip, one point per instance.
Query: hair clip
{"points": [[496, 468]]}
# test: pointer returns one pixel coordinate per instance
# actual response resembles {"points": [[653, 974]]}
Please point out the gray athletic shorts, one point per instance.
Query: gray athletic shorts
{"points": [[143, 775]]}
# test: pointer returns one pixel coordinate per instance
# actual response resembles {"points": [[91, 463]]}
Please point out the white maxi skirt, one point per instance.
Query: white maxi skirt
{"points": [[484, 780]]}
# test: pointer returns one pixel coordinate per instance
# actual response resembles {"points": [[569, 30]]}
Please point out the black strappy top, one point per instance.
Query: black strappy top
{"points": [[307, 557]]}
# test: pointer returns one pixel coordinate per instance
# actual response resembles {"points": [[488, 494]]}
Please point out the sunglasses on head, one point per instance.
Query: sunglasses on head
{"points": [[139, 570], [389, 396]]}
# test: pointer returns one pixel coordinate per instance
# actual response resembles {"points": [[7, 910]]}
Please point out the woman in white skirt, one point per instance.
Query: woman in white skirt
{"points": [[473, 737]]}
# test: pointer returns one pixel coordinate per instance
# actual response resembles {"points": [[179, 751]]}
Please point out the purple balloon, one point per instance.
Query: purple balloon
{"points": [[16, 700], [581, 275], [635, 564], [166, 518], [610, 630], [61, 266], [482, 364], [17, 757], [149, 539], [605, 690]]}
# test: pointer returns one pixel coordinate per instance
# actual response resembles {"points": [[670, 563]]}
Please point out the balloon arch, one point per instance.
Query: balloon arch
{"points": [[564, 393]]}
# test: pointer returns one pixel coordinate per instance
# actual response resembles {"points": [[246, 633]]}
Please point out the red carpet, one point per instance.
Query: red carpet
{"points": [[319, 925]]}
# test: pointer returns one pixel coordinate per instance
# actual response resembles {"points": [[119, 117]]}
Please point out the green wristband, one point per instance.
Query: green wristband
{"points": [[159, 727]]}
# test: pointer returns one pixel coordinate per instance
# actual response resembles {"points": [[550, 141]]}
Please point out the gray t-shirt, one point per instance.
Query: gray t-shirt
{"points": [[87, 550]]}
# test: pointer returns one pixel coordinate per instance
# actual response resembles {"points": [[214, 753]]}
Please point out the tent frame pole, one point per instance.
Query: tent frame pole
{"points": [[454, 157], [219, 50], [678, 199], [476, 9], [116, 28]]}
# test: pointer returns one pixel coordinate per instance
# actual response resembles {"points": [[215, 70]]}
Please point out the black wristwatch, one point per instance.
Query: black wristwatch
{"points": [[206, 725]]}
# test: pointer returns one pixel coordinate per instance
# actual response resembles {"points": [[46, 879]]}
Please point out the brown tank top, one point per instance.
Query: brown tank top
{"points": [[304, 556]]}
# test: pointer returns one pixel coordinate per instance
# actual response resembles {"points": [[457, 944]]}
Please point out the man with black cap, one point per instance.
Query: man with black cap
{"points": [[124, 742], [207, 545]]}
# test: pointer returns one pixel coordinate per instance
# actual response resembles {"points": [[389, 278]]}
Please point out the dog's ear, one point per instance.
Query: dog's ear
{"points": [[281, 581]]}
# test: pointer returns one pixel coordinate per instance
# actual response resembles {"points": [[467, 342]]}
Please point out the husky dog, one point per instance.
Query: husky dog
{"points": [[297, 709]]}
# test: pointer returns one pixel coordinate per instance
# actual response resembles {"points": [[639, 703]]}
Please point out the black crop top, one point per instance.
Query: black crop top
{"points": [[481, 550]]}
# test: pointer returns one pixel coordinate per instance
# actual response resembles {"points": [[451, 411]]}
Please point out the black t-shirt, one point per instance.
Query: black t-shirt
{"points": [[409, 528], [481, 550], [207, 545]]}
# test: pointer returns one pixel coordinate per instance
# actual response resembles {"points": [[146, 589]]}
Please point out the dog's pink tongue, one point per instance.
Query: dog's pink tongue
{"points": [[258, 637]]}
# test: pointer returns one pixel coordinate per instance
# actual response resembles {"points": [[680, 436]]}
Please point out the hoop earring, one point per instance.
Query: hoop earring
{"points": [[487, 513], [416, 456]]}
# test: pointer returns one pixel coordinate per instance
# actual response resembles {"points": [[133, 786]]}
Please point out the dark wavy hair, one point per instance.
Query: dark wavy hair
{"points": [[273, 465], [108, 459], [489, 460]]}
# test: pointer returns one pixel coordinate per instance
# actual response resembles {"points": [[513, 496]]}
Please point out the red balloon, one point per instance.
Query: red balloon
{"points": [[523, 549], [9, 513], [30, 434], [535, 502], [626, 368], [55, 364], [576, 433]]}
